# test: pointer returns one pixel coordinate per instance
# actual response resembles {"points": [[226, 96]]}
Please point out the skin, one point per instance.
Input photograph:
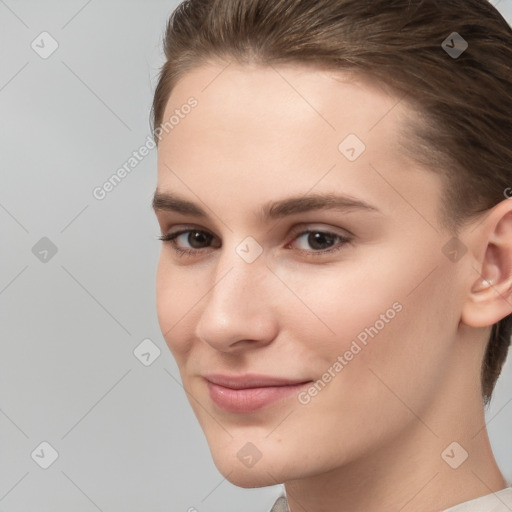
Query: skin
{"points": [[372, 438]]}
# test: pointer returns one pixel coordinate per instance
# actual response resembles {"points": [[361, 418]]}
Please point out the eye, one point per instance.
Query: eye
{"points": [[196, 239], [318, 242], [312, 242]]}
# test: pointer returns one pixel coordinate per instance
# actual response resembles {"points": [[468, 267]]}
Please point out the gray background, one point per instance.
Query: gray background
{"points": [[125, 434]]}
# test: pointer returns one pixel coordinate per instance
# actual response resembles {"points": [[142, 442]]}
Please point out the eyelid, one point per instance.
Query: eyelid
{"points": [[306, 227], [184, 228]]}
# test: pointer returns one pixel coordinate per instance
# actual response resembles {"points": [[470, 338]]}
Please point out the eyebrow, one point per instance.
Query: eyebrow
{"points": [[165, 201]]}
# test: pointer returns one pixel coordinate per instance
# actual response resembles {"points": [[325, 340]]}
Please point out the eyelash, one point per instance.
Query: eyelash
{"points": [[170, 238]]}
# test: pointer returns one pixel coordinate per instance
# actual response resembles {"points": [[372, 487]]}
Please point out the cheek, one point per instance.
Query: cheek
{"points": [[332, 307], [403, 358], [381, 313], [176, 295]]}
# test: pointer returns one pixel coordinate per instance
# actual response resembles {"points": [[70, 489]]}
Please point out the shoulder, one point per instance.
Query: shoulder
{"points": [[280, 505], [500, 501]]}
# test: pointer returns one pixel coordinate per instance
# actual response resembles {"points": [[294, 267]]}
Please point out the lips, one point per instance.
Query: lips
{"points": [[250, 392]]}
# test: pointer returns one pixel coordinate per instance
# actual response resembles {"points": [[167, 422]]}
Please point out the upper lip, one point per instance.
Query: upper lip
{"points": [[251, 380]]}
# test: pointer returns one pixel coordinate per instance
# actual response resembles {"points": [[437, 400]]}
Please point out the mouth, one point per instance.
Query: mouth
{"points": [[249, 393]]}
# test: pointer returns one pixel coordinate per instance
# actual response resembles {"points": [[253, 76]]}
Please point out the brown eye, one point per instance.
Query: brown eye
{"points": [[320, 241], [198, 239], [316, 241], [188, 241]]}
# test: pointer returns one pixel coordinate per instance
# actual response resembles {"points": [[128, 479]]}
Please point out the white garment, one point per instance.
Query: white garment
{"points": [[500, 501]]}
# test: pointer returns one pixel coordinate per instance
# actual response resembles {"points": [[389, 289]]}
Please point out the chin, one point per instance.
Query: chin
{"points": [[248, 478], [246, 473]]}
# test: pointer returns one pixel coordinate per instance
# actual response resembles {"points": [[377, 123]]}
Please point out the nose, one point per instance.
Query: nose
{"points": [[239, 310]]}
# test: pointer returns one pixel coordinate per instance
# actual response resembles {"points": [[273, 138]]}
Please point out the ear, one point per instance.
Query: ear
{"points": [[490, 295]]}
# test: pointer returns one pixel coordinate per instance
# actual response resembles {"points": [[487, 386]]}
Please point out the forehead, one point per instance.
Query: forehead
{"points": [[336, 98], [280, 106], [259, 129]]}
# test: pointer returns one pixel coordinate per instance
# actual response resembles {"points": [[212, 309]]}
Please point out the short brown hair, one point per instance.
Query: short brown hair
{"points": [[463, 103]]}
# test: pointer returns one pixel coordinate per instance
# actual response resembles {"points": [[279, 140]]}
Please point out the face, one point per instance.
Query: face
{"points": [[312, 272]]}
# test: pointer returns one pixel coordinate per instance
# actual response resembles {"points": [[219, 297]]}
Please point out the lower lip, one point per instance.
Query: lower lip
{"points": [[250, 399]]}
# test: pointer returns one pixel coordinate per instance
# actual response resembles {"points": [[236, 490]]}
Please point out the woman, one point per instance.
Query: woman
{"points": [[335, 277]]}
